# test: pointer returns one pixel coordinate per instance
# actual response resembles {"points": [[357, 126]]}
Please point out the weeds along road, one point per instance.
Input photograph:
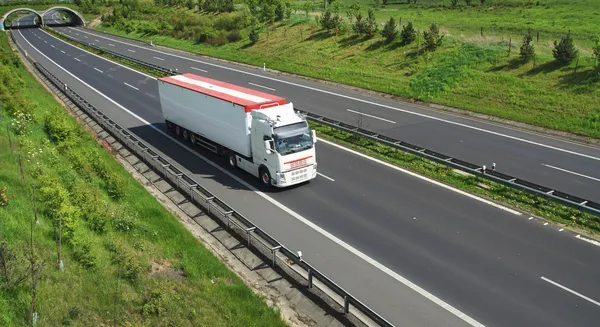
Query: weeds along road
{"points": [[496, 268], [565, 166]]}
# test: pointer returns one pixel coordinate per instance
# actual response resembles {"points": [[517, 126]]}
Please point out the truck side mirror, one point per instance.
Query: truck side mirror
{"points": [[268, 147], [314, 135]]}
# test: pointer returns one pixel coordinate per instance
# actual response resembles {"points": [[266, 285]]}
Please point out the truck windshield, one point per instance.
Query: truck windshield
{"points": [[293, 138]]}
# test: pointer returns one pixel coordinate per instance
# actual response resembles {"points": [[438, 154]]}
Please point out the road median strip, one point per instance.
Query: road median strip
{"points": [[496, 192]]}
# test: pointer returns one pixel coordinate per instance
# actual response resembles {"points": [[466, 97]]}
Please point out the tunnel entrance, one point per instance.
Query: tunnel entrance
{"points": [[21, 18], [63, 16]]}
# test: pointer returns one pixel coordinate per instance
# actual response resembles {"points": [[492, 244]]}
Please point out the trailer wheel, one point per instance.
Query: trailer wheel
{"points": [[265, 177], [232, 161], [178, 131], [169, 125], [193, 138], [186, 134]]}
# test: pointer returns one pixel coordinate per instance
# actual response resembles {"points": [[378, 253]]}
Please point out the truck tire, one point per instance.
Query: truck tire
{"points": [[193, 138], [265, 177], [178, 130], [231, 159], [186, 134]]}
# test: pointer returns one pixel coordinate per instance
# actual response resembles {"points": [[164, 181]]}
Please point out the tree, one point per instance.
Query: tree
{"points": [[389, 31], [408, 34], [482, 1], [254, 33], [325, 20], [468, 2], [371, 24], [565, 51], [190, 4], [432, 38], [527, 48], [360, 25], [596, 51], [454, 2]]}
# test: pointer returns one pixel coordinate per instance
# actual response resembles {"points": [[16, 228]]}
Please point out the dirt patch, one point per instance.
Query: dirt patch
{"points": [[165, 269]]}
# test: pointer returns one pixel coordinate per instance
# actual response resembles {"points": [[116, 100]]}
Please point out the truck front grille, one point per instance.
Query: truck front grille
{"points": [[299, 174]]}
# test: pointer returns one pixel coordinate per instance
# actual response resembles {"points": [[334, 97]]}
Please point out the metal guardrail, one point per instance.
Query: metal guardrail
{"points": [[492, 175], [212, 205]]}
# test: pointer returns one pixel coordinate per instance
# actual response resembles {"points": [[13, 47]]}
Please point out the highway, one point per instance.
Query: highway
{"points": [[568, 167], [495, 266]]}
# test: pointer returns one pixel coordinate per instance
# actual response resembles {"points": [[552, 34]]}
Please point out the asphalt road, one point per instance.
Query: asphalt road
{"points": [[533, 157], [484, 261]]}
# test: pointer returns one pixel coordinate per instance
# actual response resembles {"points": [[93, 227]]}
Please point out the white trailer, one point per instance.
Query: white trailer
{"points": [[260, 132]]}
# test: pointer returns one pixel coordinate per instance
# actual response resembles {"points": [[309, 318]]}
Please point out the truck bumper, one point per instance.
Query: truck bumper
{"points": [[295, 176]]}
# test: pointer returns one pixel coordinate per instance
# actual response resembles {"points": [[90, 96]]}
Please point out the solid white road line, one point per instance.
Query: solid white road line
{"points": [[361, 100], [307, 222], [98, 70], [102, 58], [158, 58], [76, 59], [596, 243], [572, 172], [202, 70], [514, 212], [570, 291], [363, 114], [131, 86], [264, 87], [326, 177]]}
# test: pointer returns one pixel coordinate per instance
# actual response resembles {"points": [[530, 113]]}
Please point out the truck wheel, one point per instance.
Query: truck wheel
{"points": [[186, 134], [265, 177], [193, 138], [232, 161], [178, 131], [169, 125]]}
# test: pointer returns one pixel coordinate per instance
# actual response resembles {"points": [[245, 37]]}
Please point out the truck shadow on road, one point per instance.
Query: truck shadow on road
{"points": [[202, 172]]}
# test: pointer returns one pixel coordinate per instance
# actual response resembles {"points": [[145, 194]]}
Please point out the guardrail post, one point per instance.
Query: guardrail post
{"points": [[273, 253], [310, 278], [248, 230], [346, 303]]}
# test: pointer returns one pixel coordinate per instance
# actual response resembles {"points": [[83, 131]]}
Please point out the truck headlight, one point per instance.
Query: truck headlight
{"points": [[281, 178]]}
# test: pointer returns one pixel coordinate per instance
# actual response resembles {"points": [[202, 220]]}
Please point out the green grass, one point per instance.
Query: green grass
{"points": [[520, 200], [468, 72], [111, 227]]}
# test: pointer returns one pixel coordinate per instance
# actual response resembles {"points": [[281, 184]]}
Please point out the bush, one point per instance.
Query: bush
{"points": [[84, 255], [154, 298], [234, 36], [254, 34], [565, 51], [219, 39], [116, 185], [371, 24], [408, 34], [60, 129], [389, 31], [527, 48]]}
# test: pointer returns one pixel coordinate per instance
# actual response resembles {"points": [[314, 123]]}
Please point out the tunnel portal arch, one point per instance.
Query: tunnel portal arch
{"points": [[80, 20], [3, 18]]}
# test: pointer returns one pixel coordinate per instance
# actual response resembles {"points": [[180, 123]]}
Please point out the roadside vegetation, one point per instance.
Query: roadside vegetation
{"points": [[83, 243], [519, 200], [464, 54]]}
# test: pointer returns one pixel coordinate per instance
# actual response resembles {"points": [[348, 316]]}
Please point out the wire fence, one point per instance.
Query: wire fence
{"points": [[256, 238]]}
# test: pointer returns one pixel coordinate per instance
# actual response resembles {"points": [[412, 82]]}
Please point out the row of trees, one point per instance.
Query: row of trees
{"points": [[564, 51]]}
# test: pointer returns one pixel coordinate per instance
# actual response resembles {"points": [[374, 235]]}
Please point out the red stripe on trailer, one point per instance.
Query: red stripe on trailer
{"points": [[243, 98]]}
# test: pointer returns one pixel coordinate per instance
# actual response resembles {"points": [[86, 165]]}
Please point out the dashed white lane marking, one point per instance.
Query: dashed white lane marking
{"points": [[130, 50], [97, 40], [264, 87], [596, 243], [158, 58], [62, 51], [85, 36], [52, 45], [326, 177], [363, 114], [202, 70], [112, 45], [572, 172], [571, 291], [77, 59], [98, 70], [131, 86]]}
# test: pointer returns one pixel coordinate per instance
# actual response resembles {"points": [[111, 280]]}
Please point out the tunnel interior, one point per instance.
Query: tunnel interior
{"points": [[62, 17], [22, 18]]}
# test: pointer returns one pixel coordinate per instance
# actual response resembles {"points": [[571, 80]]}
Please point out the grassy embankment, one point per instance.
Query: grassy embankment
{"points": [[113, 231], [497, 192], [468, 71]]}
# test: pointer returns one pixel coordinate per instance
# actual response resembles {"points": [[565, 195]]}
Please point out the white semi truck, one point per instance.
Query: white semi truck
{"points": [[260, 132]]}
